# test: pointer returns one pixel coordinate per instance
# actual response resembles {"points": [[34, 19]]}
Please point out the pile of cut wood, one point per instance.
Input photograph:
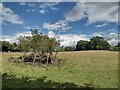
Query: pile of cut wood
{"points": [[30, 58]]}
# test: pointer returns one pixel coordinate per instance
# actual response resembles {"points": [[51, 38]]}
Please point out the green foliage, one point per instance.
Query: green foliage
{"points": [[96, 43], [81, 45], [6, 46], [69, 48], [52, 45], [39, 44], [24, 43], [35, 40]]}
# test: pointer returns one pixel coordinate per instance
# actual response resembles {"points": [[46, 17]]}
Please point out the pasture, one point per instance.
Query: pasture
{"points": [[98, 69]]}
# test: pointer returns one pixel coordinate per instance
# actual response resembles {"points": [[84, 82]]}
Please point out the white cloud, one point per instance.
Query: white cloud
{"points": [[94, 11], [77, 12], [51, 34], [111, 36], [43, 7], [22, 3], [32, 27], [46, 5], [14, 38], [102, 12], [42, 11], [49, 26], [101, 25], [8, 16], [54, 8], [8, 38], [60, 25], [68, 39], [31, 10], [113, 42], [97, 34], [28, 33], [31, 4]]}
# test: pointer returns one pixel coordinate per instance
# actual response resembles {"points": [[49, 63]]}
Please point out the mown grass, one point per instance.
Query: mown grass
{"points": [[79, 69]]}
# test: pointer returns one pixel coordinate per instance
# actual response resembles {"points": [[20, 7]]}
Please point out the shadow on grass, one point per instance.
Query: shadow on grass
{"points": [[10, 81]]}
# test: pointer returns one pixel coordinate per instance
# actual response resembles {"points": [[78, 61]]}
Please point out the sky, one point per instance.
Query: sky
{"points": [[68, 22]]}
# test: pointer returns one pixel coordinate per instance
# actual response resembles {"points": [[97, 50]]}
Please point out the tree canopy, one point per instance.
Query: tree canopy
{"points": [[81, 45], [96, 43]]}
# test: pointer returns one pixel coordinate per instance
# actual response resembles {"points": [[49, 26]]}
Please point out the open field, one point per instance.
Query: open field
{"points": [[84, 68]]}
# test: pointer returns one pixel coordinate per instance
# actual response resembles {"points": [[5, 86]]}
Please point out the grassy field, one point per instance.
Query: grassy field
{"points": [[98, 69]]}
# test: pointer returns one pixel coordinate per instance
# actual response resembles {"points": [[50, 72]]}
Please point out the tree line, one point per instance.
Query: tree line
{"points": [[96, 43]]}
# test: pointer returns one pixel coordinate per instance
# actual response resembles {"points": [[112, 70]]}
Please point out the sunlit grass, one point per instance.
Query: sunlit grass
{"points": [[99, 68]]}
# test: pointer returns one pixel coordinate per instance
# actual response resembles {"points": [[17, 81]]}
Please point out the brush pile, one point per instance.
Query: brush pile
{"points": [[44, 59]]}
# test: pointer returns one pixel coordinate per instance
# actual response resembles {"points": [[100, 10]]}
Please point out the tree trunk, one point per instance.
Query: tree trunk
{"points": [[24, 56], [47, 58], [34, 56], [55, 54], [51, 57]]}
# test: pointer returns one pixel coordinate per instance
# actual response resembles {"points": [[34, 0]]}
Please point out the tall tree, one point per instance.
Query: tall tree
{"points": [[6, 46], [98, 43], [81, 45]]}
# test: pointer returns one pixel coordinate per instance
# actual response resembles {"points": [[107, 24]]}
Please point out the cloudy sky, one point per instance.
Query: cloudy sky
{"points": [[68, 22]]}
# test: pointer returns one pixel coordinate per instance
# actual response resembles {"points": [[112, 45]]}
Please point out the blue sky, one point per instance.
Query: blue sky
{"points": [[68, 22]]}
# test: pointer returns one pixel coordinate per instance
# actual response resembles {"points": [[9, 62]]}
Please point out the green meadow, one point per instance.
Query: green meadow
{"points": [[94, 69]]}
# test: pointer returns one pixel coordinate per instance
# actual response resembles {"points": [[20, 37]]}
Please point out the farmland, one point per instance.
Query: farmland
{"points": [[98, 69]]}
